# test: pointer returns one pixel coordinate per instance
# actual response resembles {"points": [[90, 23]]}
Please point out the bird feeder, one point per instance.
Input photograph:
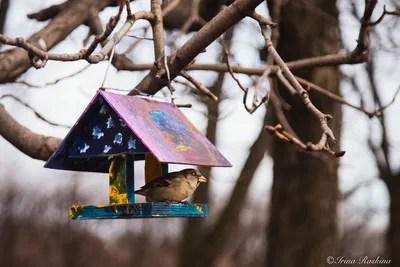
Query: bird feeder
{"points": [[116, 130]]}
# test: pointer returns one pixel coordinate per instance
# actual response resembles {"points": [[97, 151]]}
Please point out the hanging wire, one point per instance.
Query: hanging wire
{"points": [[110, 60], [139, 93], [169, 85]]}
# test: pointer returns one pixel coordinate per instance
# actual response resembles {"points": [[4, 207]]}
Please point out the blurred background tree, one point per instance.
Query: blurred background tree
{"points": [[307, 215]]}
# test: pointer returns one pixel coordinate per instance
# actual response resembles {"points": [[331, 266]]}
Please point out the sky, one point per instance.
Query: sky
{"points": [[64, 102]]}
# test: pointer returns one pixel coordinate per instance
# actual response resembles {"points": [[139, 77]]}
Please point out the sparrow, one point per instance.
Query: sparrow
{"points": [[174, 187]]}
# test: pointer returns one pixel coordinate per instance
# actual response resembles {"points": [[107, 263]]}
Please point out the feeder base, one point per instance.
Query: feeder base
{"points": [[137, 210]]}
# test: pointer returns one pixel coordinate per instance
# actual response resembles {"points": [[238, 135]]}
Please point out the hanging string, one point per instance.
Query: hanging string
{"points": [[110, 60], [139, 93], [169, 85]]}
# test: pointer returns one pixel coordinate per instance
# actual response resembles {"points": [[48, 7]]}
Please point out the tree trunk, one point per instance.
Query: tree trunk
{"points": [[194, 228], [302, 227], [393, 233], [4, 5]]}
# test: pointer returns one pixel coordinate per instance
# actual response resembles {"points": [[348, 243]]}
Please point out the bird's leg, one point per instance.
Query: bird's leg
{"points": [[185, 202]]}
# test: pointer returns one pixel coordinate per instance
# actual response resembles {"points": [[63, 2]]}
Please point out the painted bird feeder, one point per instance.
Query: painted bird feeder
{"points": [[116, 130]]}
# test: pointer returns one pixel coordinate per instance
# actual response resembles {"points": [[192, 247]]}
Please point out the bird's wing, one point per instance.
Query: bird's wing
{"points": [[163, 181]]}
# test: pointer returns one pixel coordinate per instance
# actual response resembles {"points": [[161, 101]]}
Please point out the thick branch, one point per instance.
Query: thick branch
{"points": [[158, 30], [34, 145], [16, 61], [203, 38], [48, 13], [322, 61]]}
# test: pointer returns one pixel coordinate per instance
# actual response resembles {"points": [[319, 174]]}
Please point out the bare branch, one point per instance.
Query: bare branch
{"points": [[37, 114], [199, 85], [285, 82], [14, 62], [84, 53], [323, 118], [260, 19], [322, 145], [34, 145], [390, 103], [165, 11], [55, 81], [158, 32], [335, 97], [3, 14], [255, 105], [346, 195], [193, 18], [385, 12], [195, 45], [48, 13]]}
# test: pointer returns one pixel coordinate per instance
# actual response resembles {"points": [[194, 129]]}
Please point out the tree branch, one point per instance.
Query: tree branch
{"points": [[37, 114], [195, 45], [3, 14], [15, 62], [34, 145]]}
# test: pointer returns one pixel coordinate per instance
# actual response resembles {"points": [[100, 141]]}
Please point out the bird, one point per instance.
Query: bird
{"points": [[174, 187]]}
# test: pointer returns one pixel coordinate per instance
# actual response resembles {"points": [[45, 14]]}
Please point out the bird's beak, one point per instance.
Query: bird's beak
{"points": [[202, 179]]}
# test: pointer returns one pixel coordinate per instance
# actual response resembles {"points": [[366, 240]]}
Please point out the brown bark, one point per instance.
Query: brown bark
{"points": [[194, 228], [393, 233], [302, 228], [179, 15], [34, 145], [184, 56], [4, 4], [15, 62]]}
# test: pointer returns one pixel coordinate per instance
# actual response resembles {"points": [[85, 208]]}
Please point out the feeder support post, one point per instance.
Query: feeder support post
{"points": [[130, 178]]}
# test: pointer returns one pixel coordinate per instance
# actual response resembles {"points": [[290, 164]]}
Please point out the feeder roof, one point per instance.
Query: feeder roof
{"points": [[114, 124]]}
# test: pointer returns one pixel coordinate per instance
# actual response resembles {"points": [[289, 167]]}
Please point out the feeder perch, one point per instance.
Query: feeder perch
{"points": [[116, 130]]}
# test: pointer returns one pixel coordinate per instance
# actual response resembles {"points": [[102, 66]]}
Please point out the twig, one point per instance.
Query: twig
{"points": [[346, 195], [260, 19], [128, 9], [199, 85], [37, 114], [185, 84], [55, 81], [380, 110], [385, 12], [323, 118], [140, 37], [322, 145], [335, 97], [165, 11], [184, 105], [183, 57], [285, 82], [384, 166], [193, 18], [264, 75], [85, 53], [276, 103]]}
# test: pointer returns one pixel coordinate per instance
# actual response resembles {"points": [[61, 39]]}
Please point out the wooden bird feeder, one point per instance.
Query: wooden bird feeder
{"points": [[116, 130]]}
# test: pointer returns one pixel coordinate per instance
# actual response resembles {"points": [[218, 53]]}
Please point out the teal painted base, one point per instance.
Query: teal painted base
{"points": [[137, 210]]}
